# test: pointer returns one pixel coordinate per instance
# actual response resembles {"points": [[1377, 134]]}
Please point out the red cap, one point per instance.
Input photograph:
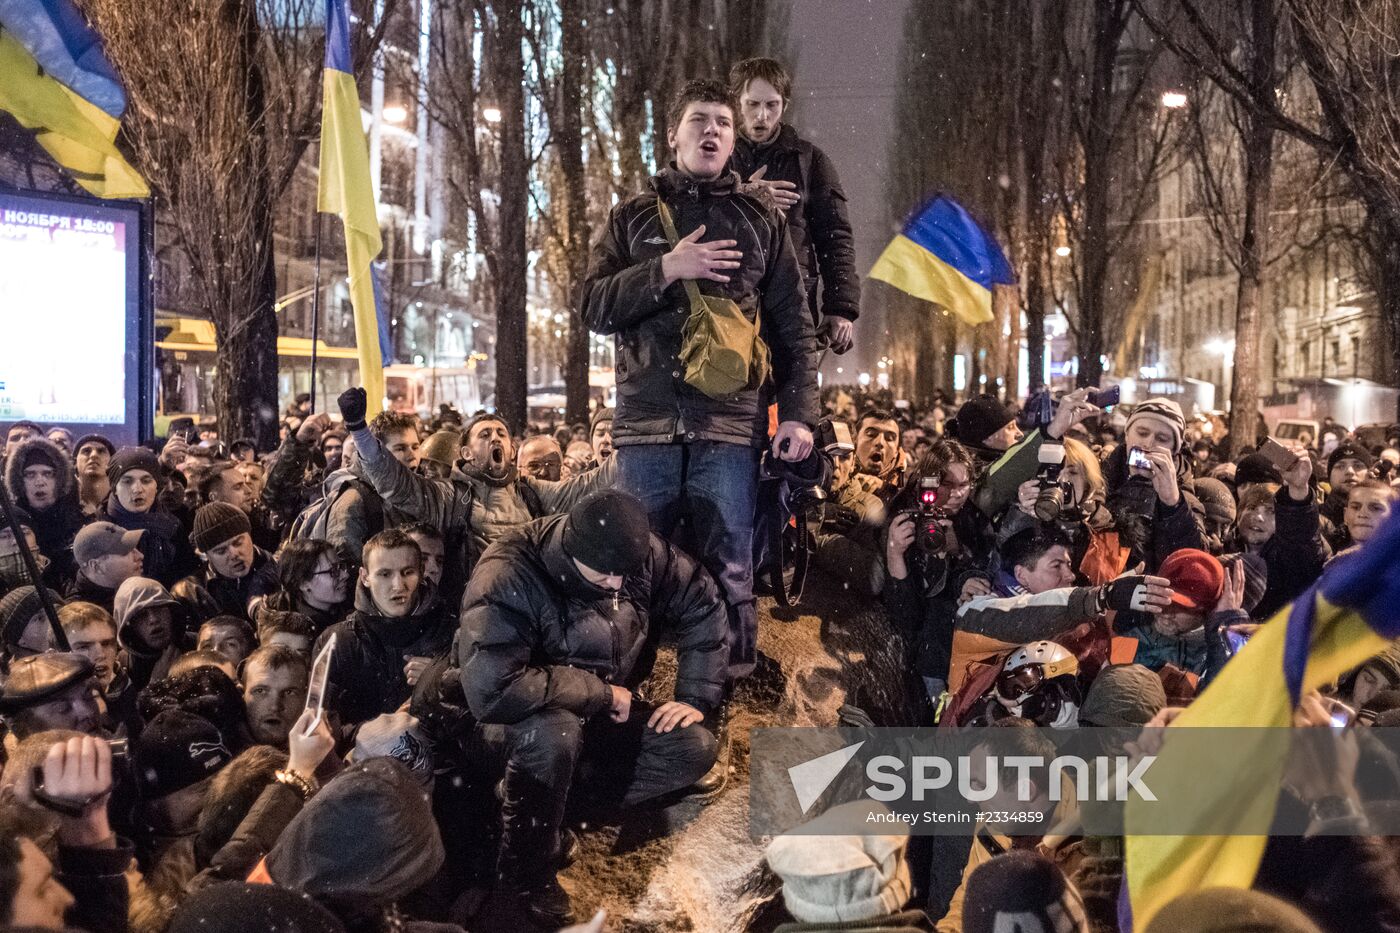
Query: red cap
{"points": [[1197, 578]]}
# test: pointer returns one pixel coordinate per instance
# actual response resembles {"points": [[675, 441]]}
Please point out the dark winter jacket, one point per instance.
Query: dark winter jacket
{"points": [[1151, 529], [536, 635], [366, 675], [167, 552], [96, 877], [1295, 554], [624, 295], [208, 595], [1333, 521], [286, 491], [364, 841], [83, 589], [55, 527], [818, 222]]}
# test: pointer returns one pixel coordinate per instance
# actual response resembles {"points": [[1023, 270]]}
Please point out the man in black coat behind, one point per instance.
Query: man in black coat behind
{"points": [[804, 185], [556, 632]]}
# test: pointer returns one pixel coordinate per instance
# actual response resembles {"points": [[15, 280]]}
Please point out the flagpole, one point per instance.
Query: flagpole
{"points": [[316, 312]]}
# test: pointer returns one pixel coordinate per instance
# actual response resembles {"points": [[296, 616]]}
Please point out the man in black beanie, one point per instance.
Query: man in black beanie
{"points": [[556, 625]]}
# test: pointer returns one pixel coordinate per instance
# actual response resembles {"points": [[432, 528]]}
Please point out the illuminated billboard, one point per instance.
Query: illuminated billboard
{"points": [[76, 348]]}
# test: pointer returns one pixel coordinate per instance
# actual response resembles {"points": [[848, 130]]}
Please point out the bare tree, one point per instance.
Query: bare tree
{"points": [[1347, 49], [224, 100]]}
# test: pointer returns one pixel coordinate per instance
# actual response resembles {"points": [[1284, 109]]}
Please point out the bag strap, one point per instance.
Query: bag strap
{"points": [[692, 290]]}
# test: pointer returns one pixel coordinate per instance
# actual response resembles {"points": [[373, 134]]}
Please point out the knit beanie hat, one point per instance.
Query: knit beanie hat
{"points": [[19, 606], [1348, 450], [1256, 468], [39, 451], [1122, 695], [1161, 411], [1230, 910], [1256, 578], [442, 446], [177, 750], [132, 458], [1196, 578], [840, 878], [978, 419], [216, 523], [1217, 499], [599, 416], [1021, 891], [236, 906], [94, 439], [608, 532], [398, 736]]}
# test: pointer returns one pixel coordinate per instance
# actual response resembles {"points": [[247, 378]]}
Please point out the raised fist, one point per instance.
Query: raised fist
{"points": [[353, 404]]}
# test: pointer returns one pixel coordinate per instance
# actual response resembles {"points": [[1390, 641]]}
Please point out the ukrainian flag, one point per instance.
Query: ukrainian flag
{"points": [[944, 256], [345, 189], [1350, 614], [55, 80]]}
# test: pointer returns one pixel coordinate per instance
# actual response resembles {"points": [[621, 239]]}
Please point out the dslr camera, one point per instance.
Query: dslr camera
{"points": [[929, 516], [1050, 494]]}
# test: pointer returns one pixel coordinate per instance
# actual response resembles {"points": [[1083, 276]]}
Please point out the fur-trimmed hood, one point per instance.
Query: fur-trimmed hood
{"points": [[38, 450]]}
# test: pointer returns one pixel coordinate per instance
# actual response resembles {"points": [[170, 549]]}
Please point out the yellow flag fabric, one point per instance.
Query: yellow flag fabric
{"points": [[911, 268], [1249, 692], [77, 134], [345, 190]]}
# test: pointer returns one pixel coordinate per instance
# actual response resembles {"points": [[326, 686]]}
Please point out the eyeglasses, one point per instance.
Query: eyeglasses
{"points": [[339, 570]]}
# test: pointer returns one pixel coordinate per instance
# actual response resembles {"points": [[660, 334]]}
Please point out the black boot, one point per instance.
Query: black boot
{"points": [[714, 780], [543, 900]]}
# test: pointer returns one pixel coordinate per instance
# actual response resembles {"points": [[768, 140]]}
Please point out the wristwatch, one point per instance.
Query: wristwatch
{"points": [[304, 786]]}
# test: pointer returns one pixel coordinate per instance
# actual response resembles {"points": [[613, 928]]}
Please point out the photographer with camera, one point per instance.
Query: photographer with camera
{"points": [[934, 543], [868, 472], [1149, 486], [1068, 494]]}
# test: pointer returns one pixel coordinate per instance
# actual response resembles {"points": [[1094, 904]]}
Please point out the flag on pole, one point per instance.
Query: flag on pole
{"points": [[1348, 616], [944, 256], [55, 81], [345, 189]]}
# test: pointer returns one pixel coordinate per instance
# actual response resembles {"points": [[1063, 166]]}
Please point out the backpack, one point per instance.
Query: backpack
{"points": [[722, 350], [313, 521]]}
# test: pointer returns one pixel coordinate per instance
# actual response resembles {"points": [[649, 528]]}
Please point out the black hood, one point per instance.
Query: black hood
{"points": [[367, 839]]}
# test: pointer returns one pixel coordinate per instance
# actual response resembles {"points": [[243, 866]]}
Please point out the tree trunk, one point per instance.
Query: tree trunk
{"points": [[245, 325], [1098, 175], [570, 148], [508, 74], [1254, 241]]}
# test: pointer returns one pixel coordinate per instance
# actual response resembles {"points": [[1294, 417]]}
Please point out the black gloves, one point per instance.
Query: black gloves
{"points": [[353, 404], [1136, 594]]}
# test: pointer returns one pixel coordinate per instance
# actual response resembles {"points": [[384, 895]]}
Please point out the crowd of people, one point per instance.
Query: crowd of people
{"points": [[364, 679]]}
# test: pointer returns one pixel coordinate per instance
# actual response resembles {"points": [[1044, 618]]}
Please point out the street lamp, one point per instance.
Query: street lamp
{"points": [[395, 113], [863, 379], [491, 115], [1062, 251], [1173, 100]]}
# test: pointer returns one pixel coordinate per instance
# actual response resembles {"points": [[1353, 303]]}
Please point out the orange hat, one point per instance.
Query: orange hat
{"points": [[1196, 577]]}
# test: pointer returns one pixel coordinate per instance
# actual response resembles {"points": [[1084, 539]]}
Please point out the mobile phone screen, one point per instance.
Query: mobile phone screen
{"points": [[316, 686]]}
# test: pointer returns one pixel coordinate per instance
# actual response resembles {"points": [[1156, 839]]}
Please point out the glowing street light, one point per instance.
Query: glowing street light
{"points": [[491, 115], [863, 379], [1173, 100], [1062, 251], [395, 113]]}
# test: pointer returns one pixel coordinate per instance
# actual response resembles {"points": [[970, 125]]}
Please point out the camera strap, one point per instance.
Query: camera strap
{"points": [[785, 548]]}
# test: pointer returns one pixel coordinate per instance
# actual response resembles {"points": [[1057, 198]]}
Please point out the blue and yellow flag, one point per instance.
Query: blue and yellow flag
{"points": [[944, 256], [345, 189], [1350, 614], [55, 80]]}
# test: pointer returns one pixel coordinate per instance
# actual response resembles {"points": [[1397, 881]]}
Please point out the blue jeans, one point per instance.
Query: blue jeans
{"points": [[701, 496]]}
